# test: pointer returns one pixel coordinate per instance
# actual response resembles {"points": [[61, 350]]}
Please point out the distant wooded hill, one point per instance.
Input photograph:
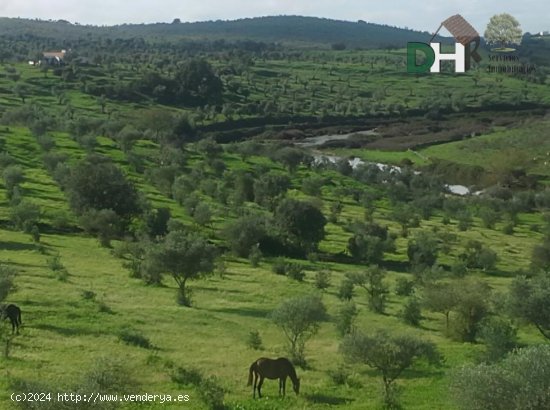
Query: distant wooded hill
{"points": [[287, 29]]}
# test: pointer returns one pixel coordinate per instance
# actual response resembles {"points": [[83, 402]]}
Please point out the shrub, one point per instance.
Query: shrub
{"points": [[499, 336], [186, 377], [404, 287], [411, 313], [51, 159], [322, 279], [46, 142], [345, 319], [132, 337], [254, 340], [255, 256], [339, 376], [345, 292], [518, 382], [25, 215], [108, 375], [279, 266], [459, 269], [54, 263], [295, 271], [88, 295], [212, 394], [7, 275]]}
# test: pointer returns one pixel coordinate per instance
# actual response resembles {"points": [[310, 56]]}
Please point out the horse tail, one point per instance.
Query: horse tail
{"points": [[250, 373], [19, 316]]}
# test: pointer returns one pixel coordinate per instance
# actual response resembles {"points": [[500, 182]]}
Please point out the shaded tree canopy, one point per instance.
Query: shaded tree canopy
{"points": [[95, 183], [302, 224], [519, 382], [198, 84], [530, 300]]}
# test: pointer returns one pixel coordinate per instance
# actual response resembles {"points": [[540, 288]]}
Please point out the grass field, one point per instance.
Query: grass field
{"points": [[76, 319], [66, 329]]}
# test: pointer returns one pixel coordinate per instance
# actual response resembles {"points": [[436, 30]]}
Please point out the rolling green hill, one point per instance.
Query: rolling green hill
{"points": [[224, 163], [276, 29]]}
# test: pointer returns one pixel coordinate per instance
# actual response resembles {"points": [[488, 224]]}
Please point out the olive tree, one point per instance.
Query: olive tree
{"points": [[389, 354], [185, 256], [299, 318], [529, 300], [518, 382], [301, 223]]}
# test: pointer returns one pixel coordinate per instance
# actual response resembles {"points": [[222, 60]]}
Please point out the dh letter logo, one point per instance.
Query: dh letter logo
{"points": [[433, 57], [429, 56]]}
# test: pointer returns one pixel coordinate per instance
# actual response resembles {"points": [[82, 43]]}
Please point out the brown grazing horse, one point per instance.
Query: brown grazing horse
{"points": [[13, 313], [280, 368]]}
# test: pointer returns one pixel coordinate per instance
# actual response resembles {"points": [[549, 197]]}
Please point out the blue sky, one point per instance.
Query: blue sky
{"points": [[533, 15]]}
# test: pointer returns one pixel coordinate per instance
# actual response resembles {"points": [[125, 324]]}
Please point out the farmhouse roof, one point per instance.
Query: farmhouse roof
{"points": [[54, 54]]}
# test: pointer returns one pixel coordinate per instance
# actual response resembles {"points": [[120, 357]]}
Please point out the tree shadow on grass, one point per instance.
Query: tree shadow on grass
{"points": [[17, 246], [68, 331], [319, 398], [396, 266], [248, 312]]}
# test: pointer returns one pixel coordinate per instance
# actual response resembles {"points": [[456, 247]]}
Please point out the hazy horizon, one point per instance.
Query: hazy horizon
{"points": [[424, 16]]}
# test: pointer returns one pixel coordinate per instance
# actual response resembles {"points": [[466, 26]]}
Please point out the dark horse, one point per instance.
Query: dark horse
{"points": [[14, 314], [280, 368]]}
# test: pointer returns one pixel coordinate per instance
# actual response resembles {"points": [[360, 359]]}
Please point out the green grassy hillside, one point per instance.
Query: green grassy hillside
{"points": [[89, 318]]}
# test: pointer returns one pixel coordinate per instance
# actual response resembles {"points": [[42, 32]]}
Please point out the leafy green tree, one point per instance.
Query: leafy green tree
{"points": [[406, 217], [7, 276], [103, 223], [269, 188], [422, 250], [345, 319], [503, 29], [499, 336], [185, 256], [244, 187], [389, 354], [441, 298], [299, 318], [372, 280], [529, 300], [203, 214], [477, 255], [312, 185], [489, 217], [245, 233], [13, 176], [301, 223], [518, 382], [290, 157], [366, 248], [412, 312], [99, 184], [540, 258], [210, 148], [345, 291], [198, 84], [471, 308], [25, 215], [322, 279]]}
